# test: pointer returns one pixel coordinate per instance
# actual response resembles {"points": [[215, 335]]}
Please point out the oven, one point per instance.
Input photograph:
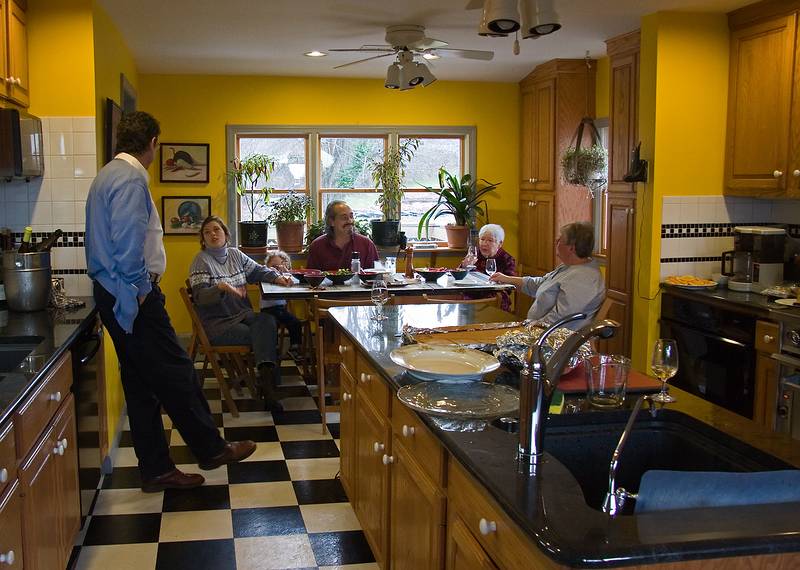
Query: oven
{"points": [[716, 351], [787, 414]]}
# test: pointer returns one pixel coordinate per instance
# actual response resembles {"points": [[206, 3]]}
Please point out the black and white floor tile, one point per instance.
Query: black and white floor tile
{"points": [[283, 507]]}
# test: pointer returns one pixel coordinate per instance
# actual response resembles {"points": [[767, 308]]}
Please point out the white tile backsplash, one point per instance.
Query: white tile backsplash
{"points": [[58, 199]]}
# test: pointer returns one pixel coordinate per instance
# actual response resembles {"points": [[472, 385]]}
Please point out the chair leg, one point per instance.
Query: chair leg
{"points": [[223, 387], [321, 376], [248, 375]]}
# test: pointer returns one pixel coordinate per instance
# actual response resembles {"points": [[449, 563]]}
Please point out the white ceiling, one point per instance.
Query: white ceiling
{"points": [[269, 37]]}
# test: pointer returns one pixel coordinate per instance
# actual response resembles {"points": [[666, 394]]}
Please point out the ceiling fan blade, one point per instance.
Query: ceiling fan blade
{"points": [[364, 50], [363, 60], [426, 43], [474, 5], [465, 53]]}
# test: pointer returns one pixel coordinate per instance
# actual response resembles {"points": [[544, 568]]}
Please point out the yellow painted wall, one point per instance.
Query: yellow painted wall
{"points": [[601, 88], [60, 57], [682, 114], [197, 108]]}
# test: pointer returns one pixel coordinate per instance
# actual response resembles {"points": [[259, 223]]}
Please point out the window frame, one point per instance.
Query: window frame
{"points": [[313, 133]]}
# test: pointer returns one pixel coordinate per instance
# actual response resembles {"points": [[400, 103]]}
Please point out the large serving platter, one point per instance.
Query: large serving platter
{"points": [[444, 363]]}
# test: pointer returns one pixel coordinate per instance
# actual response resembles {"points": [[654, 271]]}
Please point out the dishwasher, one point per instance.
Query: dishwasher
{"points": [[716, 351]]}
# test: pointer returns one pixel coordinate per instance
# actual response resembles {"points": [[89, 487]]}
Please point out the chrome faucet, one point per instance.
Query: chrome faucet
{"points": [[538, 381]]}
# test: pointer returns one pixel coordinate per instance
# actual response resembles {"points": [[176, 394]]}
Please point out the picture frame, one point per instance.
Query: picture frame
{"points": [[184, 162], [127, 94], [112, 118], [183, 215]]}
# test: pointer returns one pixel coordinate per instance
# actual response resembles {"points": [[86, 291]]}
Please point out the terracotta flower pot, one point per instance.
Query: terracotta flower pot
{"points": [[457, 236], [290, 236]]}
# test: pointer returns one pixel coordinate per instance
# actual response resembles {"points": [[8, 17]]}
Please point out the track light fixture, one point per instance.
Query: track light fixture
{"points": [[539, 18], [501, 16], [405, 73], [532, 18]]}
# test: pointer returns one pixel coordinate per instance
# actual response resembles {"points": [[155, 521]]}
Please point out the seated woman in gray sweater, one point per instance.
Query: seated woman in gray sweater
{"points": [[575, 286], [218, 276]]}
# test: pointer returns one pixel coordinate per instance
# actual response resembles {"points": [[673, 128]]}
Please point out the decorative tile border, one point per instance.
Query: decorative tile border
{"points": [[69, 239], [689, 259], [715, 229]]}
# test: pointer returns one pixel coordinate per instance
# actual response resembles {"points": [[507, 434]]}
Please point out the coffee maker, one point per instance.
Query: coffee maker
{"points": [[756, 262]]}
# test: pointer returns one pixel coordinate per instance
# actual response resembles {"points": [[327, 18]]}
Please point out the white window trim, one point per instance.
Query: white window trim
{"points": [[314, 132]]}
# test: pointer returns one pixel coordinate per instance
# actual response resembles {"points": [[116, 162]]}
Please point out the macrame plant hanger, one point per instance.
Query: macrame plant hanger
{"points": [[576, 160]]}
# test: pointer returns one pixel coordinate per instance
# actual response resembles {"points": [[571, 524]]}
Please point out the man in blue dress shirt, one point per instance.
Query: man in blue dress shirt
{"points": [[125, 258]]}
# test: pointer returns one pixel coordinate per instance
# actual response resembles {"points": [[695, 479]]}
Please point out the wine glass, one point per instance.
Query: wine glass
{"points": [[665, 366], [472, 258], [491, 266], [379, 296]]}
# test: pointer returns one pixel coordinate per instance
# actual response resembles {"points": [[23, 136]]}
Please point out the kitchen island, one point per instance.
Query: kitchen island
{"points": [[427, 497]]}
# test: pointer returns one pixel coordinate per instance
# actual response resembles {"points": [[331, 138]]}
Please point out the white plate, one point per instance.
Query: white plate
{"points": [[465, 283], [444, 363], [787, 302], [693, 287]]}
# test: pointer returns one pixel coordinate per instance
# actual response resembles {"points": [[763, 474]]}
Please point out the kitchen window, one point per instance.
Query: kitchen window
{"points": [[334, 164]]}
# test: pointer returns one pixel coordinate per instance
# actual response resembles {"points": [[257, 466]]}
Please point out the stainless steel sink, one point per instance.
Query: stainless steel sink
{"points": [[584, 444], [15, 349]]}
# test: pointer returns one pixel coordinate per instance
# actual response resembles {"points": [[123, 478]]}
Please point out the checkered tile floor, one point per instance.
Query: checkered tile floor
{"points": [[283, 507]]}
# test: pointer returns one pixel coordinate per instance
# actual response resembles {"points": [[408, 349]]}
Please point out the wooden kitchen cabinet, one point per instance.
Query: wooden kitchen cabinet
{"points": [[347, 432], [538, 131], [623, 54], [536, 213], [464, 552], [762, 155], [11, 527], [14, 52], [765, 399]]}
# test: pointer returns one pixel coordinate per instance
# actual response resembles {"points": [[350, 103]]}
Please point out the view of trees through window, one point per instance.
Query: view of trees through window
{"points": [[343, 164]]}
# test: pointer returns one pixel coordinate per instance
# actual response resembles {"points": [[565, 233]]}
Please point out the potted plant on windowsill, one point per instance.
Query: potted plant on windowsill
{"points": [[387, 174], [462, 198], [245, 176], [289, 214]]}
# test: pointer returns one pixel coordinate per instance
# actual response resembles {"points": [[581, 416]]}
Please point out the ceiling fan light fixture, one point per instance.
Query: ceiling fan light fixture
{"points": [[500, 16], [393, 76], [430, 56], [315, 53], [539, 18]]}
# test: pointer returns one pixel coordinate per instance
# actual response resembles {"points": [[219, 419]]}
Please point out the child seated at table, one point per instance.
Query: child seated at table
{"points": [[281, 262]]}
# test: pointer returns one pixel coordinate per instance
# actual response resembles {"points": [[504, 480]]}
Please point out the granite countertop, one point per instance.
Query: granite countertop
{"points": [[751, 303], [550, 506], [58, 329]]}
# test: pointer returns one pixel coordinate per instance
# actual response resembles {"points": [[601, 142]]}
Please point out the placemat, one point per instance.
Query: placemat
{"points": [[575, 382]]}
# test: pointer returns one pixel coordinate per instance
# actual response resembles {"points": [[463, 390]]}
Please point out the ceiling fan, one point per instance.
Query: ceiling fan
{"points": [[408, 40]]}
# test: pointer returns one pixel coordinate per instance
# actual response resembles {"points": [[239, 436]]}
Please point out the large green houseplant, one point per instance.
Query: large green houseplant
{"points": [[289, 214], [245, 176], [387, 174], [461, 197]]}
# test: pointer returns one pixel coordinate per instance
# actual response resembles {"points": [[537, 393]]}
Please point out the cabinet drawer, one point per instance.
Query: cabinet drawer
{"points": [[371, 385], [11, 527], [767, 336], [8, 456], [504, 542], [33, 416], [347, 352], [420, 442]]}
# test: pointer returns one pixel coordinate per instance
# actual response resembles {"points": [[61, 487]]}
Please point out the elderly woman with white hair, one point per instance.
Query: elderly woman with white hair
{"points": [[490, 246]]}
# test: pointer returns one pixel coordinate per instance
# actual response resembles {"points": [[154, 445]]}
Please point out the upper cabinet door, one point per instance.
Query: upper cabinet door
{"points": [[17, 78], [544, 134], [526, 150], [759, 106], [623, 118]]}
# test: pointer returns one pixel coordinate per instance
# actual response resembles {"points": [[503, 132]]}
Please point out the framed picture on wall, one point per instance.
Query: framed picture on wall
{"points": [[112, 117], [127, 94], [184, 162], [182, 215]]}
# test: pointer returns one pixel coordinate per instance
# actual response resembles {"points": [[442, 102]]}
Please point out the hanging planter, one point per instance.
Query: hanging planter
{"points": [[585, 166]]}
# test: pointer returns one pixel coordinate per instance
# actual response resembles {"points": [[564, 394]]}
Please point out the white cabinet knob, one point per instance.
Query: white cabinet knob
{"points": [[55, 397], [58, 450], [346, 397], [408, 431], [378, 447], [777, 173], [796, 173], [64, 443], [533, 204], [768, 339], [487, 527], [387, 459], [7, 558], [3, 475], [342, 349], [365, 377]]}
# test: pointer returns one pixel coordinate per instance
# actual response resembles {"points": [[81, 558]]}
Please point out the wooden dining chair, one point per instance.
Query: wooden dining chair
{"points": [[235, 359], [325, 353]]}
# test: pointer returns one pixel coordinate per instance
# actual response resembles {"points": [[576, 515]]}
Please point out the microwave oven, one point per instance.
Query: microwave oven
{"points": [[21, 147]]}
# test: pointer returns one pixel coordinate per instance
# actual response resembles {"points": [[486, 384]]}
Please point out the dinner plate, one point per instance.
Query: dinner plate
{"points": [[694, 287], [787, 302], [463, 283], [444, 363]]}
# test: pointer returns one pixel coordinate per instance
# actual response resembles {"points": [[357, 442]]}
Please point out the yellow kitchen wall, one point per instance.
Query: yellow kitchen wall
{"points": [[60, 58], [111, 57], [194, 108], [601, 88], [682, 114]]}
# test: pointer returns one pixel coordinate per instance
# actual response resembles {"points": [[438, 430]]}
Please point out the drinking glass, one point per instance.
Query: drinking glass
{"points": [[379, 296], [472, 258], [491, 266], [665, 365]]}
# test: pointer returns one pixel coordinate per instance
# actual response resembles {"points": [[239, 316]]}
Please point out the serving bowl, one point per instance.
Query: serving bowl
{"points": [[430, 275], [458, 274], [369, 275], [300, 274], [315, 280], [338, 278]]}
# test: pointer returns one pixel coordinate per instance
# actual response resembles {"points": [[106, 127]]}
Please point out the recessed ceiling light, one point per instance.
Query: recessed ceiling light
{"points": [[430, 56], [315, 53]]}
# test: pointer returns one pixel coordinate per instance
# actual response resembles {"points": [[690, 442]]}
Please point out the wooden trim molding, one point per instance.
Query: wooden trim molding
{"points": [[764, 10], [624, 44]]}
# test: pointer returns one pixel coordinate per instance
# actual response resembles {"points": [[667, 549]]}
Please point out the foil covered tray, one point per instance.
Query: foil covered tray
{"points": [[470, 401], [512, 347]]}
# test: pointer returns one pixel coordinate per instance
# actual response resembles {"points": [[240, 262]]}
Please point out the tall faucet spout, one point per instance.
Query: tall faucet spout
{"points": [[539, 379]]}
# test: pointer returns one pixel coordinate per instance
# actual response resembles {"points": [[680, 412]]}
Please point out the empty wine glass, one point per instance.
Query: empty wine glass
{"points": [[665, 365], [491, 266], [379, 296], [471, 259]]}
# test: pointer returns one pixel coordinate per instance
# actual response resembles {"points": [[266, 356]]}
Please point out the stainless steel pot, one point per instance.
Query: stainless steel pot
{"points": [[27, 280]]}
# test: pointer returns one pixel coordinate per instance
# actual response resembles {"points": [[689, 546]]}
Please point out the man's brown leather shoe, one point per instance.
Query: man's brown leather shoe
{"points": [[175, 479], [233, 452]]}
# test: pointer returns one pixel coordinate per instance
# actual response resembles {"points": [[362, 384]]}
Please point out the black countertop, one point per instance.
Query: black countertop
{"points": [[58, 329], [750, 303], [550, 507]]}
